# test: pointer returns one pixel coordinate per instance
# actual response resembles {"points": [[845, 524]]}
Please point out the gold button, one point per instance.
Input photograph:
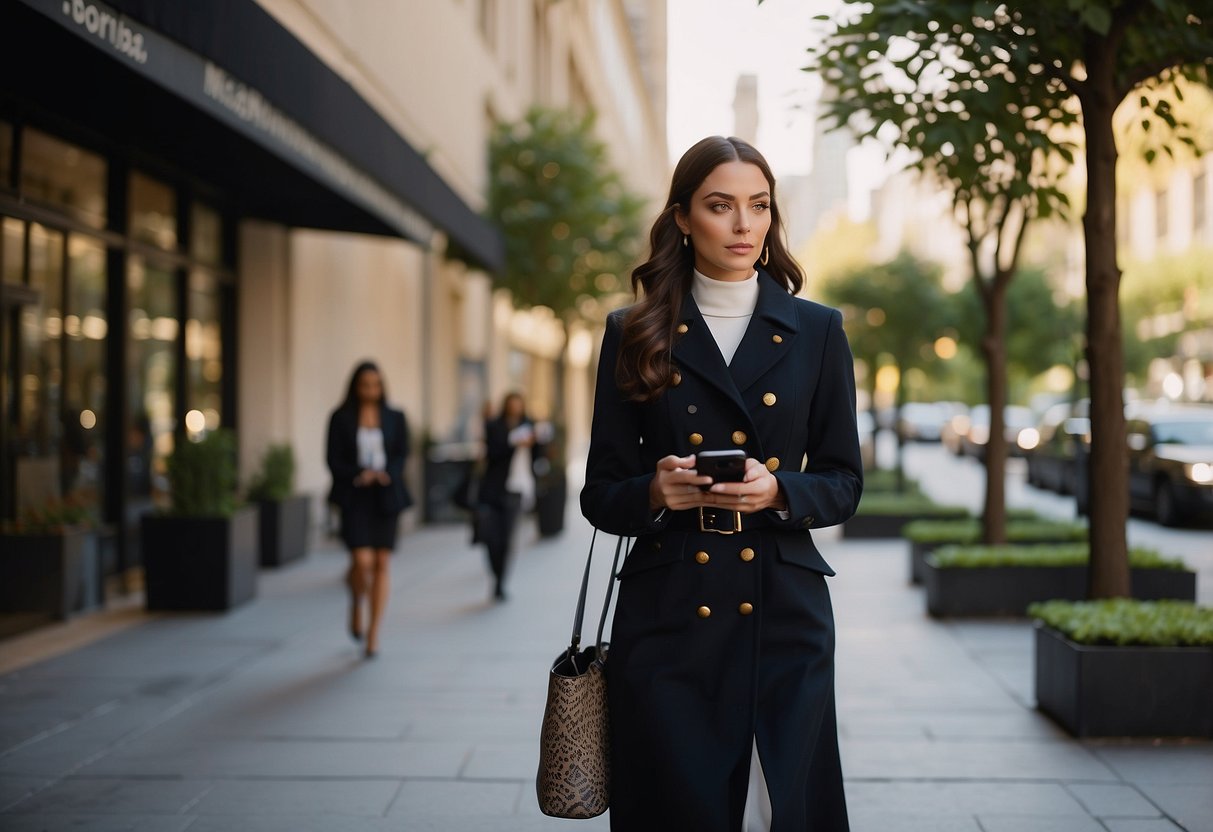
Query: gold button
{"points": [[682, 329], [746, 608], [702, 557], [773, 464], [746, 554], [704, 612], [696, 439], [738, 438], [676, 378], [769, 399], [778, 339]]}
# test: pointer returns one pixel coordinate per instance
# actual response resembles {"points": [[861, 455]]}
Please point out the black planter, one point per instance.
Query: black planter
{"points": [[54, 574], [919, 552], [1124, 691], [550, 502], [1008, 590], [867, 526], [284, 528], [200, 563]]}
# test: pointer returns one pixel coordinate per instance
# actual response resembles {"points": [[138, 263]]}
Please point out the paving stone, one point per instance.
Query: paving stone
{"points": [[114, 796], [13, 789], [1036, 823], [944, 799], [1191, 806], [247, 798], [503, 761], [456, 799], [1162, 764], [97, 823], [976, 760], [1113, 801], [869, 820], [1140, 825]]}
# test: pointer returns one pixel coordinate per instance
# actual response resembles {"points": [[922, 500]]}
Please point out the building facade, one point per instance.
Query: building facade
{"points": [[212, 211]]}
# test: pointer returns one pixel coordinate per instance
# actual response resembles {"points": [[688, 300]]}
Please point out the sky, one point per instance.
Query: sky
{"points": [[712, 42]]}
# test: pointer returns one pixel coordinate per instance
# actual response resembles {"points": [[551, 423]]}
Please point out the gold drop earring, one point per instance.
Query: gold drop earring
{"points": [[766, 255], [685, 241]]}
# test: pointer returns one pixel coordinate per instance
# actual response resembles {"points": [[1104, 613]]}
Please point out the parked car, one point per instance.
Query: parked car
{"points": [[1053, 463], [1020, 430], [1171, 462], [954, 430], [921, 421], [866, 427]]}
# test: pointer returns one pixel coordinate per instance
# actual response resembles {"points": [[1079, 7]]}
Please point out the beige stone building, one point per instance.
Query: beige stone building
{"points": [[210, 215]]}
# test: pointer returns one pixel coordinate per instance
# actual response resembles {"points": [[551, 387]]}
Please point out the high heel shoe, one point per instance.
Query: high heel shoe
{"points": [[370, 653], [355, 634]]}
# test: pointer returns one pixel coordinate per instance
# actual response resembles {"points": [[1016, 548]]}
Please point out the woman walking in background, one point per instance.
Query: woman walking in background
{"points": [[721, 667], [368, 442], [508, 484]]}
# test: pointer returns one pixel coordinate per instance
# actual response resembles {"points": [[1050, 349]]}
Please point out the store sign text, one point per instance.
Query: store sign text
{"points": [[107, 26]]}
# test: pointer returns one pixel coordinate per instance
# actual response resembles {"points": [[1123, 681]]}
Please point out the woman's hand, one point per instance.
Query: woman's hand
{"points": [[677, 485], [759, 490]]}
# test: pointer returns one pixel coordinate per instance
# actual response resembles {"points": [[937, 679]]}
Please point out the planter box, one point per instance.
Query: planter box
{"points": [[55, 574], [200, 563], [284, 528], [550, 502], [867, 526], [1008, 590], [1124, 691], [919, 552]]}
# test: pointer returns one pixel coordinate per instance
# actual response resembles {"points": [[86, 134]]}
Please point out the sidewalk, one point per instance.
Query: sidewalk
{"points": [[267, 719]]}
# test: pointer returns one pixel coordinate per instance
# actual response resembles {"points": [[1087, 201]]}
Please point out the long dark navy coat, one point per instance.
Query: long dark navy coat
{"points": [[721, 639]]}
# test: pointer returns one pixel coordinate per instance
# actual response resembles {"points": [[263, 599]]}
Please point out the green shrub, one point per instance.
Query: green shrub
{"points": [[202, 476], [57, 515], [883, 480], [275, 479], [1124, 622], [1042, 554], [1020, 529], [908, 503]]}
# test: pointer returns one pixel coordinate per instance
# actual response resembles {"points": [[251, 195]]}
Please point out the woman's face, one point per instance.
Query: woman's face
{"points": [[513, 409], [727, 220], [370, 387]]}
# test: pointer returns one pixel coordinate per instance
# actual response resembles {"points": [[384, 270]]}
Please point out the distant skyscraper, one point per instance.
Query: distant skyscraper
{"points": [[745, 109]]}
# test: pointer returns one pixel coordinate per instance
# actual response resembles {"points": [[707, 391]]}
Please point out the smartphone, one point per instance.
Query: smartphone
{"points": [[721, 466]]}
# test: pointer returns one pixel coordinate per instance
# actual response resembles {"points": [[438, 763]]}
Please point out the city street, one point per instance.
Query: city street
{"points": [[267, 719]]}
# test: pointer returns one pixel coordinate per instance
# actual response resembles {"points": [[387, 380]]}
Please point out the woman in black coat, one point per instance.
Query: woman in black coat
{"points": [[367, 446], [723, 639], [500, 497]]}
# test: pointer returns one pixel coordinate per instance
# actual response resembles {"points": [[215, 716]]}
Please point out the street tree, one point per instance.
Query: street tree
{"points": [[892, 312], [1059, 60], [908, 74], [571, 227]]}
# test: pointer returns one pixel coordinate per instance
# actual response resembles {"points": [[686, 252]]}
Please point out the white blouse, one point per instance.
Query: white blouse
{"points": [[726, 306], [371, 454]]}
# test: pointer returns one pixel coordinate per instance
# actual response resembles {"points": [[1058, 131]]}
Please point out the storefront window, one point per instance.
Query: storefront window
{"points": [[204, 355], [153, 212], [63, 175], [6, 155], [206, 230], [151, 380], [84, 413], [12, 251]]}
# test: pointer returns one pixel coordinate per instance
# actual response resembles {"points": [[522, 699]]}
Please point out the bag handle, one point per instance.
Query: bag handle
{"points": [[579, 616]]}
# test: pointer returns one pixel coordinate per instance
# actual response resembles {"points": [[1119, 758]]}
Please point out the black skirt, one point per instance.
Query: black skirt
{"points": [[364, 523]]}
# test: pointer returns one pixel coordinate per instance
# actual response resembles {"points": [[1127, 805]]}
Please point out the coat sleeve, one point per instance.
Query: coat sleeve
{"points": [[341, 466], [399, 450], [616, 493], [828, 490]]}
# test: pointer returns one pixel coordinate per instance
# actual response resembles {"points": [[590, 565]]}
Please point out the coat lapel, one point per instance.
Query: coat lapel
{"points": [[696, 350], [768, 338]]}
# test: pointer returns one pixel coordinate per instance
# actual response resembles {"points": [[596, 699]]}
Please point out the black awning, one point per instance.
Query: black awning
{"points": [[232, 64]]}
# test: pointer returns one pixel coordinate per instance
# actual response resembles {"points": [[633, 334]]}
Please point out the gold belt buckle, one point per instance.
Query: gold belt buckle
{"points": [[736, 523]]}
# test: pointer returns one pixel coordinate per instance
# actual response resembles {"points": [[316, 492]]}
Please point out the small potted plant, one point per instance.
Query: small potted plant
{"points": [[1125, 668], [551, 486], [1006, 580], [285, 515], [49, 560], [202, 553]]}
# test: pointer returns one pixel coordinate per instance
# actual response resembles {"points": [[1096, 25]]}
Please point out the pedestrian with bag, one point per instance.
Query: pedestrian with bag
{"points": [[507, 485], [720, 673], [368, 442]]}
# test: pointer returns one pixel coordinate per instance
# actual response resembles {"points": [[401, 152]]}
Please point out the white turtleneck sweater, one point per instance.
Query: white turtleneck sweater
{"points": [[726, 306]]}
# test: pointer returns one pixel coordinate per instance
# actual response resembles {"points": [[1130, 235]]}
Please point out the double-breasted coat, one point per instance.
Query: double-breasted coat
{"points": [[719, 640]]}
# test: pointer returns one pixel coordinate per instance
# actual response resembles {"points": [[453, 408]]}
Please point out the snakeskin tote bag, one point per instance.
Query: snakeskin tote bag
{"points": [[574, 779]]}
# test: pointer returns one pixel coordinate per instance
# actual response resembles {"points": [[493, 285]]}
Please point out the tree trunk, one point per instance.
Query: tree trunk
{"points": [[1107, 472], [994, 347]]}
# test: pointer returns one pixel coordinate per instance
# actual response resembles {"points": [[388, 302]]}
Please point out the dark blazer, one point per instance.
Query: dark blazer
{"points": [[707, 626], [499, 454], [342, 457]]}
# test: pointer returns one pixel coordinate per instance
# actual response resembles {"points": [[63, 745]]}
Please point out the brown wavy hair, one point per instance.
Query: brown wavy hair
{"points": [[643, 369]]}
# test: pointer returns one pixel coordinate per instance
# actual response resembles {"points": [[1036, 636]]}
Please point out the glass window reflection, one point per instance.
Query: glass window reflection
{"points": [[206, 235], [12, 251], [153, 213], [204, 355], [84, 413], [6, 155], [63, 175], [151, 380]]}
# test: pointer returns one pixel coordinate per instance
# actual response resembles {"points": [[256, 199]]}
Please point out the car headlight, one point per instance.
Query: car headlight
{"points": [[1028, 438], [1201, 472]]}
